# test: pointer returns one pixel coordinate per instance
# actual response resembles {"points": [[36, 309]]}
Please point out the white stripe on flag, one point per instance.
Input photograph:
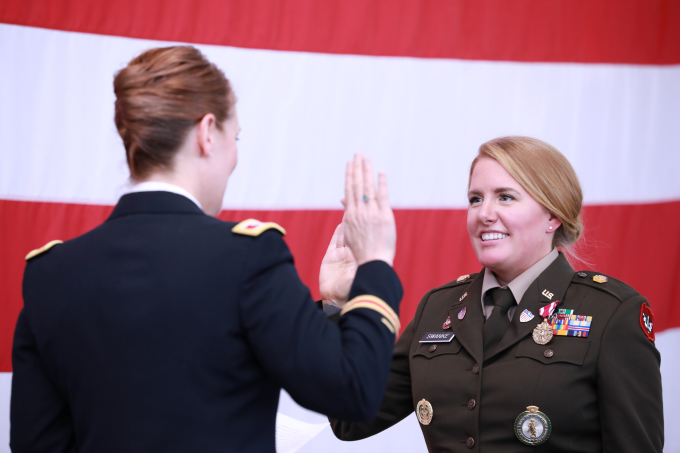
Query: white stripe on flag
{"points": [[303, 115]]}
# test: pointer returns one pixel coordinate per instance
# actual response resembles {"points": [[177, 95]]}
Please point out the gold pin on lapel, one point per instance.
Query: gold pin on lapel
{"points": [[462, 278]]}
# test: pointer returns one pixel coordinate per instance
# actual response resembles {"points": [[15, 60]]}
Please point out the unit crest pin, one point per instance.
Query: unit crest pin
{"points": [[461, 314], [447, 323], [462, 278]]}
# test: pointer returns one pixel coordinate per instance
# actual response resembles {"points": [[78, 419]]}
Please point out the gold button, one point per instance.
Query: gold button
{"points": [[471, 404], [433, 348], [548, 353], [470, 443], [475, 369]]}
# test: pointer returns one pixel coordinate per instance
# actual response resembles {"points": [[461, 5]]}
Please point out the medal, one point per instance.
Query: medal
{"points": [[424, 412], [532, 427], [543, 333]]}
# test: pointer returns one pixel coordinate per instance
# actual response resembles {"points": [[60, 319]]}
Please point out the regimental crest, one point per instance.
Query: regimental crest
{"points": [[447, 323], [543, 333], [462, 278], [424, 412], [526, 316], [532, 427], [461, 314], [600, 279]]}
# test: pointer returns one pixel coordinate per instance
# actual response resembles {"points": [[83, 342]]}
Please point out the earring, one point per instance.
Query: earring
{"points": [[550, 228]]}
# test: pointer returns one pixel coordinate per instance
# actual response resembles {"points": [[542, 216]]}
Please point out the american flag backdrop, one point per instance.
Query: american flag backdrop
{"points": [[417, 85]]}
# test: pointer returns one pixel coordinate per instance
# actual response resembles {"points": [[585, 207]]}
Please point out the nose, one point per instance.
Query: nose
{"points": [[487, 213]]}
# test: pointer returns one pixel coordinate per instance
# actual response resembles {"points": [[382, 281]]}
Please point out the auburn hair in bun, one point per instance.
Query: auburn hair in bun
{"points": [[160, 95]]}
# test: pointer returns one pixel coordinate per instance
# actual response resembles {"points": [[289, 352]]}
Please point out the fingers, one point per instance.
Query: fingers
{"points": [[349, 186], [339, 236], [369, 183], [358, 175], [334, 240], [383, 195]]}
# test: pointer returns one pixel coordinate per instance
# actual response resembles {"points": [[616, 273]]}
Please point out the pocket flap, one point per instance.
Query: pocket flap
{"points": [[571, 350]]}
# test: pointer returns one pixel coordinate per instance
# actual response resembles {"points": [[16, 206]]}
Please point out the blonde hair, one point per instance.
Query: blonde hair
{"points": [[547, 176]]}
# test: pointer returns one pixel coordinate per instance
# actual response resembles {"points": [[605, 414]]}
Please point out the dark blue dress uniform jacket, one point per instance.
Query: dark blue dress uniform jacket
{"points": [[163, 331]]}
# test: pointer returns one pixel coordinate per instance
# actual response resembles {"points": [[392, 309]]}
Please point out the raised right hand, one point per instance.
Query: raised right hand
{"points": [[369, 227]]}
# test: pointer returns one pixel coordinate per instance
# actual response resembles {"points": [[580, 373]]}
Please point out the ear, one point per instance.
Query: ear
{"points": [[554, 222], [205, 134]]}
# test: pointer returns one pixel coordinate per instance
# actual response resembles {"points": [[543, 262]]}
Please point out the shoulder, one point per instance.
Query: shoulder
{"points": [[606, 284], [42, 250], [254, 228], [440, 297], [462, 281]]}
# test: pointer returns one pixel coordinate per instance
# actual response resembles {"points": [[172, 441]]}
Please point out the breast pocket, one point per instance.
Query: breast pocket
{"points": [[565, 350]]}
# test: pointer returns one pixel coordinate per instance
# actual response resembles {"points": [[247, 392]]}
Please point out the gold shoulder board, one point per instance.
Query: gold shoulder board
{"points": [[42, 249], [252, 227]]}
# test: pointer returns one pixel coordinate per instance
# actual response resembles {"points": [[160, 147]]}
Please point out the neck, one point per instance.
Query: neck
{"points": [[176, 179]]}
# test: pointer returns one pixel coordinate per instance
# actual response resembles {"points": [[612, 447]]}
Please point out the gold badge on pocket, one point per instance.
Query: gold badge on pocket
{"points": [[424, 412], [532, 427]]}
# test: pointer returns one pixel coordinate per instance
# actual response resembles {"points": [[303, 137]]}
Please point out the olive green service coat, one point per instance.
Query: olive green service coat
{"points": [[601, 393]]}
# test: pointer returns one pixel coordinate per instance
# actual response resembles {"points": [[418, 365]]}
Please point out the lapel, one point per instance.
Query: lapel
{"points": [[554, 280], [156, 202], [469, 329]]}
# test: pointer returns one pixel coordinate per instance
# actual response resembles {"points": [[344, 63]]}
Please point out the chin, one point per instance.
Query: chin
{"points": [[492, 259]]}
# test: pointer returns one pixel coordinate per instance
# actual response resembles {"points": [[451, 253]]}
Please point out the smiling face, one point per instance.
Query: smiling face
{"points": [[509, 230]]}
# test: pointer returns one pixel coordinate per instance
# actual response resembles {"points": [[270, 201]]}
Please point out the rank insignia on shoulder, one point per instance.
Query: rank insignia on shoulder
{"points": [[462, 278], [532, 427], [252, 227], [424, 412], [600, 279], [42, 249], [647, 322]]}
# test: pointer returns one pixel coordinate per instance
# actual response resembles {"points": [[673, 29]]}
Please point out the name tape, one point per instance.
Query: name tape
{"points": [[437, 337]]}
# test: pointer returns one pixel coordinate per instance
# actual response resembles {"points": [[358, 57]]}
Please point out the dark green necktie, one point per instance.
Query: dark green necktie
{"points": [[498, 321]]}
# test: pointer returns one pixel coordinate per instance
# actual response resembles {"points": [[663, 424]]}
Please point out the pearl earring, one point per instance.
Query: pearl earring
{"points": [[550, 228]]}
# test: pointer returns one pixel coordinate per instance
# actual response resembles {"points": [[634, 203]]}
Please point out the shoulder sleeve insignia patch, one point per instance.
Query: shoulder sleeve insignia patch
{"points": [[252, 227], [42, 249], [647, 321]]}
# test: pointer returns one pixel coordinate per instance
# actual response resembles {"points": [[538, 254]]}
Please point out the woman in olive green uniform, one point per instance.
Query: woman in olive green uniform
{"points": [[527, 355]]}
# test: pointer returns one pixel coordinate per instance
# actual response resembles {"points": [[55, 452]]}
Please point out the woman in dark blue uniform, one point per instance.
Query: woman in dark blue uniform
{"points": [[527, 355], [165, 329]]}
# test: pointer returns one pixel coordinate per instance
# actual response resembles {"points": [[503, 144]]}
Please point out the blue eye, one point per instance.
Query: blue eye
{"points": [[506, 197], [475, 200]]}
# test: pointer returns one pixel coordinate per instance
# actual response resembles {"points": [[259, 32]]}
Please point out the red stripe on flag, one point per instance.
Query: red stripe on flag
{"points": [[433, 248], [586, 31]]}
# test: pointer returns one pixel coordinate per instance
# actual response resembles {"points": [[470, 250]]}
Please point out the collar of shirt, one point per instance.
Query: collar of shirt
{"points": [[157, 186], [519, 285]]}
